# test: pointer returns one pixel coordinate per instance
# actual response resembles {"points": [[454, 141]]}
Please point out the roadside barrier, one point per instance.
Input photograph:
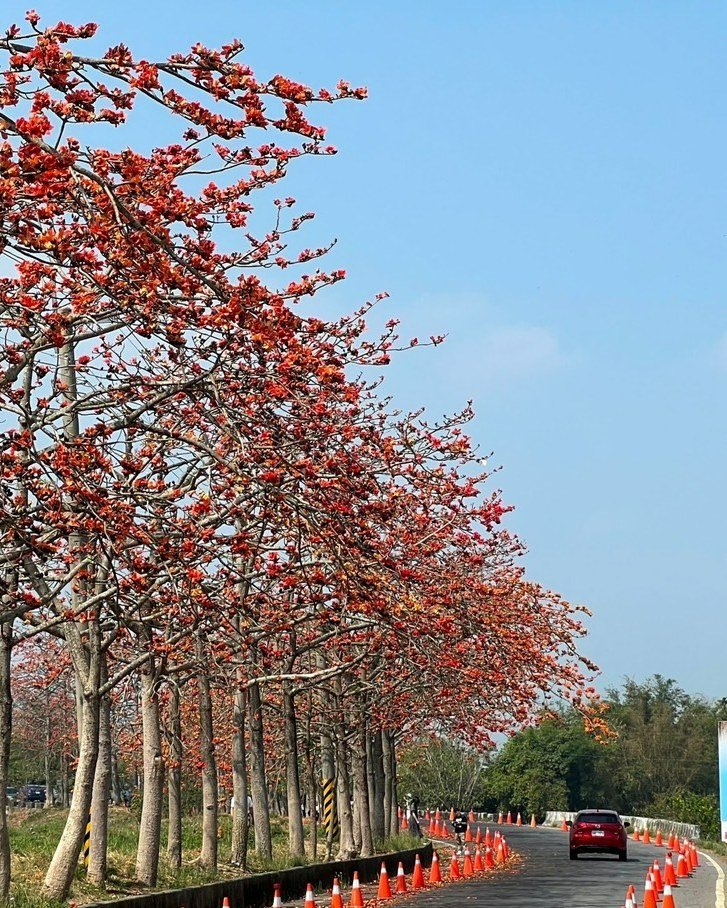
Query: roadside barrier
{"points": [[668, 827]]}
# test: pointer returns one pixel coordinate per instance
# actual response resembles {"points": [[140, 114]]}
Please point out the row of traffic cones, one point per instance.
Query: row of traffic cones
{"points": [[659, 887], [481, 864], [438, 828], [517, 822]]}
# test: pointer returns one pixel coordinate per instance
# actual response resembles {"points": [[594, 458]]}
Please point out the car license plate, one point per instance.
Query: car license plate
{"points": [[598, 832]]}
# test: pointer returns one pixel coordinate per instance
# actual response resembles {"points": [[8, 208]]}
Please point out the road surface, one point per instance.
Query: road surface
{"points": [[549, 879]]}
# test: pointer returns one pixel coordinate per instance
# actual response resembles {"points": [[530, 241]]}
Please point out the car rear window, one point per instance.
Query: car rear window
{"points": [[597, 818]]}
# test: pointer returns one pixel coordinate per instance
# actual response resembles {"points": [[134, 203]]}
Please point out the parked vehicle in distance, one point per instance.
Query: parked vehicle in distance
{"points": [[598, 831], [11, 795], [34, 794]]}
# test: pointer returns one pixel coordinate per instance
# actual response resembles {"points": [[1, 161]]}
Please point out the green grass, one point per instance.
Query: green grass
{"points": [[715, 847], [34, 835]]}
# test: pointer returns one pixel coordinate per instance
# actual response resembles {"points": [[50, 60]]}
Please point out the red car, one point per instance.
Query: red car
{"points": [[596, 831]]}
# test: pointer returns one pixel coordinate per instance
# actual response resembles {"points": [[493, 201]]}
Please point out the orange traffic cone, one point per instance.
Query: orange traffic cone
{"points": [[384, 887], [467, 868], [357, 900], [336, 900], [636, 835], [628, 903], [647, 837], [488, 836], [451, 815], [519, 821], [505, 848], [479, 866], [472, 816], [454, 873], [489, 860], [670, 878], [689, 857], [225, 902], [671, 845], [478, 837], [682, 868], [499, 818], [404, 823], [695, 856], [659, 838], [435, 874], [277, 899], [310, 902], [668, 898], [500, 855], [564, 825], [417, 877], [649, 895], [657, 877], [509, 817], [400, 879], [468, 834], [533, 821]]}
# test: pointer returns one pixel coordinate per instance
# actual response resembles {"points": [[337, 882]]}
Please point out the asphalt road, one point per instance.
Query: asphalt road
{"points": [[549, 879]]}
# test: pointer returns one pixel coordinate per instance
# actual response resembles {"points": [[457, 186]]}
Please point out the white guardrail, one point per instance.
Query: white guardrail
{"points": [[683, 830]]}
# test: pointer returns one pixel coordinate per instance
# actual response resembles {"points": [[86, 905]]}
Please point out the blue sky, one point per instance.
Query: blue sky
{"points": [[545, 182]]}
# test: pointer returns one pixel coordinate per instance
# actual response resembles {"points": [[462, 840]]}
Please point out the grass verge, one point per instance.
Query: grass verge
{"points": [[34, 835]]}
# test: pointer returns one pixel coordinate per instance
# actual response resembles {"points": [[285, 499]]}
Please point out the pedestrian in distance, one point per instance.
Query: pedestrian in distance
{"points": [[460, 828]]}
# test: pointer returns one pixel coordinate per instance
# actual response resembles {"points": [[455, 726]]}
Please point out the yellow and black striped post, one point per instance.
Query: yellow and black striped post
{"points": [[330, 817], [86, 844]]}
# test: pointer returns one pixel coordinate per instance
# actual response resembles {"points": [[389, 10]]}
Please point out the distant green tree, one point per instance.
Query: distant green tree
{"points": [[443, 774], [556, 765]]}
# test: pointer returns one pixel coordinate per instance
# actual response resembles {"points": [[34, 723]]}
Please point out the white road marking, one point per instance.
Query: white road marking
{"points": [[719, 901]]}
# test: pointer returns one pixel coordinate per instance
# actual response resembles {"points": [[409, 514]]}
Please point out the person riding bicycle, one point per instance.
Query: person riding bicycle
{"points": [[460, 828]]}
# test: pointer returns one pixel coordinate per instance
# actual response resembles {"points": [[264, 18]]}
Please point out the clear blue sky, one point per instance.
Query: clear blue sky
{"points": [[545, 182]]}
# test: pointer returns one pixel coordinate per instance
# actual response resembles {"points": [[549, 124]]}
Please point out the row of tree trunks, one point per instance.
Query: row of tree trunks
{"points": [[362, 763]]}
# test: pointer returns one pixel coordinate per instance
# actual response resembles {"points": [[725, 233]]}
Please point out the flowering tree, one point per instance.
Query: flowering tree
{"points": [[202, 505]]}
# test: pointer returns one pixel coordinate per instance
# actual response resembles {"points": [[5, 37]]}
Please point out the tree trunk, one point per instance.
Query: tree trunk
{"points": [[208, 854], [150, 824], [292, 778], [312, 797], [394, 815], [98, 864], [378, 800], [6, 719], [240, 815], [115, 781], [346, 848], [258, 782], [65, 799], [361, 790], [389, 795], [174, 775], [47, 756], [63, 865]]}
